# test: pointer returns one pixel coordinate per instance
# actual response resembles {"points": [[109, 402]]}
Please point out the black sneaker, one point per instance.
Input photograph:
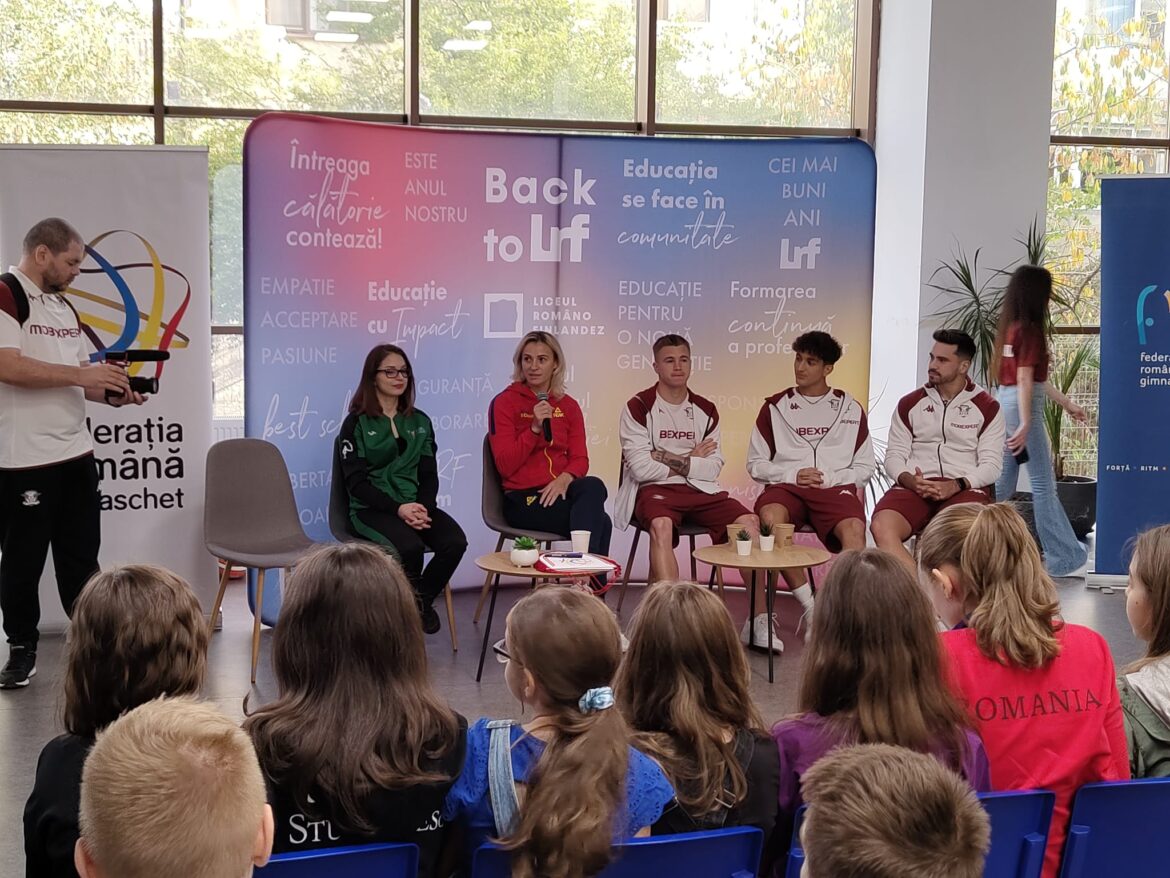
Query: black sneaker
{"points": [[430, 619], [22, 665]]}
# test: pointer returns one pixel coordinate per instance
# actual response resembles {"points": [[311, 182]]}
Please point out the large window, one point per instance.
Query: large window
{"points": [[89, 72], [1110, 109]]}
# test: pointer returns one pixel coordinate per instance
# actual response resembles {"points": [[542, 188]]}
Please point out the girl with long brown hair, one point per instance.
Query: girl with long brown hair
{"points": [[683, 688], [1144, 686], [560, 789], [137, 633], [873, 674], [1020, 369], [357, 747], [1041, 692], [388, 454]]}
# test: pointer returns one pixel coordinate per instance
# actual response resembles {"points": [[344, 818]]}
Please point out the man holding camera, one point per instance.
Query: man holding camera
{"points": [[48, 477]]}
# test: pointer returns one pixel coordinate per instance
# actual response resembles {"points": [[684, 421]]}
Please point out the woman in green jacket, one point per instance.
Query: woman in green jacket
{"points": [[388, 459], [1145, 685]]}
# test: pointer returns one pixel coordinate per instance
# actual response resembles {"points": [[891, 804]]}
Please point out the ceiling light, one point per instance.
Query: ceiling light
{"points": [[464, 45], [351, 17], [328, 36], [479, 25]]}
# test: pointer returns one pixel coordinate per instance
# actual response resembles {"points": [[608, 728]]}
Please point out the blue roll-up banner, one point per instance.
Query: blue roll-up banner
{"points": [[1133, 461]]}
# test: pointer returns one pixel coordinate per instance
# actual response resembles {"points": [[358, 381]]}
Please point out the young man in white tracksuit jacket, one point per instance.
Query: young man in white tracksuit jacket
{"points": [[945, 446], [811, 450], [671, 460]]}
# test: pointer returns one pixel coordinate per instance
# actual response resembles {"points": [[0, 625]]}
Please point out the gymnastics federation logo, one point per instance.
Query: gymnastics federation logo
{"points": [[125, 321], [1142, 320]]}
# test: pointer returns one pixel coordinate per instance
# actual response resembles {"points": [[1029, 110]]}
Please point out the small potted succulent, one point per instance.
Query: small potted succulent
{"points": [[767, 538], [524, 552], [743, 542]]}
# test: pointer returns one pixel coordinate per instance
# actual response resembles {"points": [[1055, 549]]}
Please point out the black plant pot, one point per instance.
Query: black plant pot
{"points": [[1022, 501], [1078, 496]]}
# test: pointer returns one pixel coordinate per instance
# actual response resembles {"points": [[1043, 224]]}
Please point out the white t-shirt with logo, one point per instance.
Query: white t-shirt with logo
{"points": [[39, 427]]}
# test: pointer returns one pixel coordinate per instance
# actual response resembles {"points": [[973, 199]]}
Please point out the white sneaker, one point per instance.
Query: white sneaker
{"points": [[757, 630]]}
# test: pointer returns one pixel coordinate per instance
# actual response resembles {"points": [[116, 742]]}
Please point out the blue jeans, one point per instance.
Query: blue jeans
{"points": [[1063, 553]]}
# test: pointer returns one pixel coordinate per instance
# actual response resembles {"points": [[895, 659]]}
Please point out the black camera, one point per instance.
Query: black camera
{"points": [[124, 358]]}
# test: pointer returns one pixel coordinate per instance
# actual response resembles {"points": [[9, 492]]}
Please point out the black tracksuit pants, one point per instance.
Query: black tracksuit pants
{"points": [[58, 507]]}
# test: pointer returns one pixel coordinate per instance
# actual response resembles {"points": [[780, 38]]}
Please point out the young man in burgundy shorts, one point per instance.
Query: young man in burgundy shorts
{"points": [[671, 461], [811, 450], [945, 446]]}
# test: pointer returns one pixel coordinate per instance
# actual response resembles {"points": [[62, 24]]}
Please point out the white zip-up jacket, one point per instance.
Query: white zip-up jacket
{"points": [[642, 432], [963, 438], [792, 433]]}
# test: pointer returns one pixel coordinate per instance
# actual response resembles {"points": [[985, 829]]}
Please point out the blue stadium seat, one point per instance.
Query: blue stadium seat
{"points": [[721, 853], [1019, 832], [1119, 829], [362, 861]]}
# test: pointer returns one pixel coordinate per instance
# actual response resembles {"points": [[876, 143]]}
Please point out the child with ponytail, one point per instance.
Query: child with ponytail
{"points": [[1041, 692], [560, 789], [1145, 684]]}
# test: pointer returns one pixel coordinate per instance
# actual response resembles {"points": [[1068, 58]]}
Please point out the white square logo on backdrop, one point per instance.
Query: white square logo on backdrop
{"points": [[503, 315]]}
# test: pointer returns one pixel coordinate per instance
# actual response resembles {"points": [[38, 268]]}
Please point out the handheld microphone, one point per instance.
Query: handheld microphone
{"points": [[547, 425]]}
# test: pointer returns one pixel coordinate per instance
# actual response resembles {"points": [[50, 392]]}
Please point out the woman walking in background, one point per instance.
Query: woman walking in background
{"points": [[1021, 366]]}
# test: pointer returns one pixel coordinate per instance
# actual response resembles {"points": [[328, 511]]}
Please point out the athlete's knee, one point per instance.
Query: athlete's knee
{"points": [[888, 527], [589, 488], [774, 513], [851, 533], [661, 529]]}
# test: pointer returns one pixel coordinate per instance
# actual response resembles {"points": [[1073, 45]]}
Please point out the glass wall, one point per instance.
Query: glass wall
{"points": [[88, 72], [1110, 113]]}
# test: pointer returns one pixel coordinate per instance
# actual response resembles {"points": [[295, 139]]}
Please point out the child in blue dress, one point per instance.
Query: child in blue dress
{"points": [[566, 785]]}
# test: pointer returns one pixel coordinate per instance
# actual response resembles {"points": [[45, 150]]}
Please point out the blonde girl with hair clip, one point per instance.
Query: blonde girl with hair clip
{"points": [[1041, 692], [561, 789], [1144, 686], [683, 688], [137, 633]]}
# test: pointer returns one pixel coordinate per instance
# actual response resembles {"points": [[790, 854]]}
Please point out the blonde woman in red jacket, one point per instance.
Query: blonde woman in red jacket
{"points": [[1041, 693], [537, 436]]}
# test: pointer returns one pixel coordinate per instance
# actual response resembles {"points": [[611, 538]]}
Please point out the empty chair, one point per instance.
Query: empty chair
{"points": [[342, 530], [1019, 832], [364, 861], [250, 517], [1118, 828], [720, 853]]}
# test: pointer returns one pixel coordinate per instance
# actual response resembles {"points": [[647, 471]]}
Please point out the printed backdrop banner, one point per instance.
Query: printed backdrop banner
{"points": [[1133, 460], [455, 244], [144, 283]]}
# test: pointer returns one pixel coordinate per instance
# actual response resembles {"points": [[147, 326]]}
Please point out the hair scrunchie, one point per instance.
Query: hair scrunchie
{"points": [[593, 700]]}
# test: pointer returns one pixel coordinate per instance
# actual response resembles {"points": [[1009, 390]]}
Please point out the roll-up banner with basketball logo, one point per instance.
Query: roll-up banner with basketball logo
{"points": [[145, 283]]}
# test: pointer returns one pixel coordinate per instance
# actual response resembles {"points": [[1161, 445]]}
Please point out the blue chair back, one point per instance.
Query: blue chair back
{"points": [[1119, 828], [361, 861], [795, 851], [1019, 832], [720, 853]]}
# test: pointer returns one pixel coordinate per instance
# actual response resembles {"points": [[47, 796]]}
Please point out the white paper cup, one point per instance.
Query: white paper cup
{"points": [[580, 540]]}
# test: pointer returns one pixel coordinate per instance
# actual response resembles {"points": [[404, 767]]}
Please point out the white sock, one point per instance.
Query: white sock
{"points": [[804, 595]]}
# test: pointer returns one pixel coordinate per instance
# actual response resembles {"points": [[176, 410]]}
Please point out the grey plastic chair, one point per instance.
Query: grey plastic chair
{"points": [[342, 531], [492, 509], [250, 517]]}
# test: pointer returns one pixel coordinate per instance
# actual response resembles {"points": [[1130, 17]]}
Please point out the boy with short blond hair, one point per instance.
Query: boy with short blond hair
{"points": [[173, 788], [877, 811]]}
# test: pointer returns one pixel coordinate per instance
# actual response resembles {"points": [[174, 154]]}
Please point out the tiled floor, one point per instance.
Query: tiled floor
{"points": [[29, 717]]}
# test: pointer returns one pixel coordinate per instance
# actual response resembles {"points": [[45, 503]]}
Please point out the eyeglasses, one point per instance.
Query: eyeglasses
{"points": [[394, 373], [502, 654]]}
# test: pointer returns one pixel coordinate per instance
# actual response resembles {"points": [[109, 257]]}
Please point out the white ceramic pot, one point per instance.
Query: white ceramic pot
{"points": [[743, 547], [767, 543], [524, 557]]}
